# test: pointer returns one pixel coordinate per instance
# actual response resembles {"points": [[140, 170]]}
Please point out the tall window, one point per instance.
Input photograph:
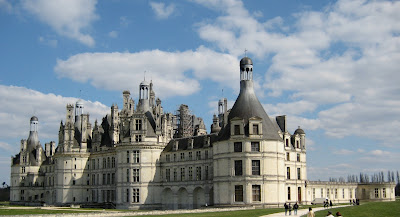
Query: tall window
{"points": [[298, 174], [256, 192], [127, 195], [174, 157], [343, 193], [238, 193], [138, 125], [198, 173], [327, 193], [183, 174], [138, 138], [23, 169], [198, 155], [255, 167], [297, 144], [135, 176], [336, 194], [113, 178], [105, 163], [237, 129], [288, 172], [313, 193], [255, 146], [206, 154], [112, 162], [322, 192], [190, 173], [135, 195], [288, 193], [376, 193], [167, 158], [108, 163], [136, 156], [190, 155], [237, 147], [287, 142], [182, 156], [287, 156], [127, 156], [127, 175], [175, 174], [255, 129], [238, 168], [206, 172], [168, 175], [298, 157], [351, 193], [384, 192]]}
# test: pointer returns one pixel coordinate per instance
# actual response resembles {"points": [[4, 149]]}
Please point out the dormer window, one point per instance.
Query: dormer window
{"points": [[237, 129], [297, 144], [287, 142], [138, 124], [255, 126], [255, 129], [138, 138]]}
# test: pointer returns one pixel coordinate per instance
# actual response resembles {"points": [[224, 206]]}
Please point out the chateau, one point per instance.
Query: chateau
{"points": [[141, 157]]}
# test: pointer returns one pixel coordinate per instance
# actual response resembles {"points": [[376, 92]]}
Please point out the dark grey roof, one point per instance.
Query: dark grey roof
{"points": [[299, 131], [246, 107], [246, 61], [198, 142], [34, 118], [126, 92]]}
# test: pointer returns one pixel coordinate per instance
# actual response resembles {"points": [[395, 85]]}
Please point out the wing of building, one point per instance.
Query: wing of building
{"points": [[140, 157]]}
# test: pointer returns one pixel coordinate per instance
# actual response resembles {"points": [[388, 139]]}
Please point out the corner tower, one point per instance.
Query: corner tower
{"points": [[249, 154]]}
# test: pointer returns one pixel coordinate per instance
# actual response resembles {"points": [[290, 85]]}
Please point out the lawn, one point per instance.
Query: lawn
{"points": [[239, 213], [35, 211], [371, 209]]}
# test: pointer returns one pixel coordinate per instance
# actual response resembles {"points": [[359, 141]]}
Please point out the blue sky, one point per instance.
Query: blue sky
{"points": [[331, 66]]}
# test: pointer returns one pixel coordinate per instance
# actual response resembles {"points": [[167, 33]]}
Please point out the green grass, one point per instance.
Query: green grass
{"points": [[371, 209], [239, 213], [35, 211]]}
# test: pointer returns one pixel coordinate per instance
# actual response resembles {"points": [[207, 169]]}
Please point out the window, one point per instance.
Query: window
{"points": [[255, 167], [384, 192], [237, 147], [138, 138], [238, 168], [108, 163], [287, 156], [376, 193], [336, 194], [288, 172], [138, 125], [168, 175], [167, 158], [127, 156], [237, 130], [175, 175], [190, 155], [256, 189], [343, 193], [313, 193], [206, 172], [127, 175], [73, 182], [298, 174], [182, 174], [127, 195], [135, 195], [182, 156], [238, 193], [327, 193], [287, 142], [190, 173], [255, 146], [104, 163], [198, 155], [135, 175], [322, 192], [108, 179], [298, 157], [136, 156], [288, 193], [23, 169], [198, 173], [297, 144], [255, 129], [174, 157], [104, 179], [206, 154], [113, 162], [113, 178]]}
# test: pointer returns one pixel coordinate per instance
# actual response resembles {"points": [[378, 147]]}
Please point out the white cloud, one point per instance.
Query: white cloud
{"points": [[49, 42], [343, 61], [113, 34], [70, 18], [4, 4], [161, 10], [19, 104], [173, 73]]}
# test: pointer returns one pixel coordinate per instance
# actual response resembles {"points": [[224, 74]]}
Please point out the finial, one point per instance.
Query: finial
{"points": [[222, 92], [144, 74], [245, 52]]}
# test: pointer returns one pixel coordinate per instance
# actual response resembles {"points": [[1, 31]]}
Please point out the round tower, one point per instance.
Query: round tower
{"points": [[144, 91], [34, 124], [78, 108], [246, 69]]}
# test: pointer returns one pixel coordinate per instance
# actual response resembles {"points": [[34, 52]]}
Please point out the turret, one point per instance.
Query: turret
{"points": [[302, 137], [144, 91]]}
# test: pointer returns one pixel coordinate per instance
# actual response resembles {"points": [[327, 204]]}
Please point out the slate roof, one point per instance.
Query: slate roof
{"points": [[247, 106], [198, 142]]}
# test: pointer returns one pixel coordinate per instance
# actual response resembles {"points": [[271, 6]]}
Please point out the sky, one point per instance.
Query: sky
{"points": [[332, 67]]}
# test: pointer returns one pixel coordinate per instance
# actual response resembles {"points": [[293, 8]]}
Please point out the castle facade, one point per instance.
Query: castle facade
{"points": [[141, 157]]}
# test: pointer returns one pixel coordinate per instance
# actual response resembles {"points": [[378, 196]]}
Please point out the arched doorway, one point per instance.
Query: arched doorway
{"points": [[183, 199], [168, 200], [198, 198]]}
